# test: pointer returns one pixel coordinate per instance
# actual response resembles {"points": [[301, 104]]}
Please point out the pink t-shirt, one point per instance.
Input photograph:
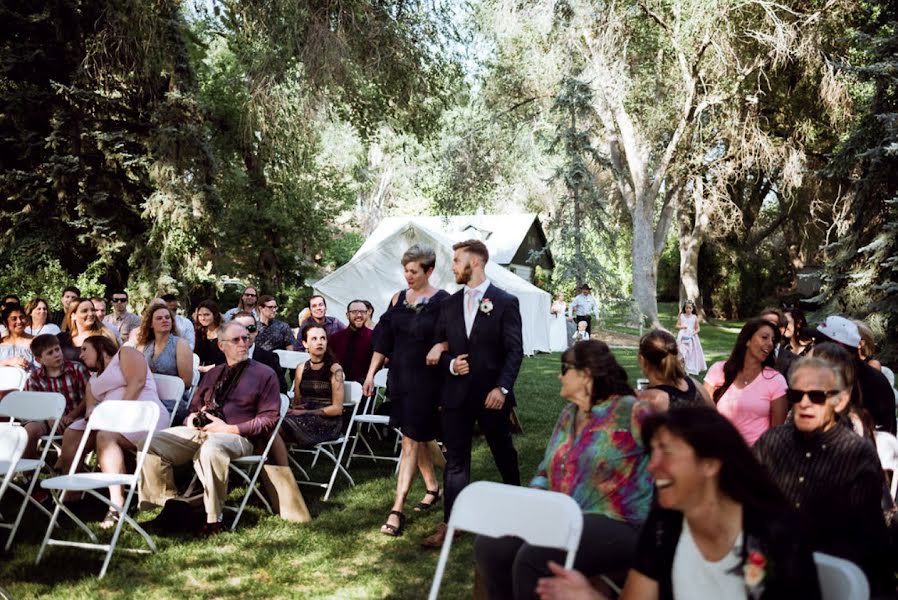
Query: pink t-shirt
{"points": [[748, 408]]}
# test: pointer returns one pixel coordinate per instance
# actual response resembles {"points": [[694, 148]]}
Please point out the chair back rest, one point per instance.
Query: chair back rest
{"points": [[196, 372], [168, 387], [13, 439], [12, 378], [290, 359], [32, 406], [123, 416], [380, 378], [352, 392], [840, 579], [539, 517], [282, 412], [196, 362]]}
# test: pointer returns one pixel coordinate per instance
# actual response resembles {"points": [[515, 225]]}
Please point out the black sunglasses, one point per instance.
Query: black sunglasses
{"points": [[251, 328], [565, 367], [815, 396], [117, 300]]}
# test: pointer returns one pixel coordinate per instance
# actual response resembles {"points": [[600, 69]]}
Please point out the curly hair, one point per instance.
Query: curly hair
{"points": [[145, 333], [608, 377]]}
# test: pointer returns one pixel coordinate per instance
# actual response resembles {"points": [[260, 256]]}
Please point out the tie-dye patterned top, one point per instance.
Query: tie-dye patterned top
{"points": [[605, 469]]}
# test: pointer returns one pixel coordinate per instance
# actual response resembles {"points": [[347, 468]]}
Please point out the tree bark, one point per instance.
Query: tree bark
{"points": [[693, 226], [645, 265]]}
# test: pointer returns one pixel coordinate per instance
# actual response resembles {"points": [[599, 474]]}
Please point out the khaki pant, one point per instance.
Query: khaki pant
{"points": [[211, 454]]}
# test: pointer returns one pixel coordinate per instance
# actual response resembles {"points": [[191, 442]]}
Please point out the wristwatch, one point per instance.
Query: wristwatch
{"points": [[503, 390]]}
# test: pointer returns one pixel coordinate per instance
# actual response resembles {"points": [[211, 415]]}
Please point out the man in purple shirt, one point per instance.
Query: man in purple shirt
{"points": [[237, 404], [318, 308], [353, 346]]}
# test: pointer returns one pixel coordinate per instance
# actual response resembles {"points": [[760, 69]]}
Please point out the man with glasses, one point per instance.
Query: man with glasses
{"points": [[830, 476], [256, 352], [247, 303], [354, 345], [273, 334], [121, 319], [236, 405]]}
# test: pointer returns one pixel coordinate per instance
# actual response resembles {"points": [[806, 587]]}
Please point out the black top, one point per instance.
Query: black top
{"points": [[877, 396], [207, 350], [691, 397], [69, 350], [790, 572], [834, 481]]}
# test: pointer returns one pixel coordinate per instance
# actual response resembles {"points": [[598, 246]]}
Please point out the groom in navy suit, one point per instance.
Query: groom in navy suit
{"points": [[482, 326]]}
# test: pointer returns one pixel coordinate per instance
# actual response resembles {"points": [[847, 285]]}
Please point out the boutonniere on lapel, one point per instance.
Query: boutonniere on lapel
{"points": [[755, 571], [486, 306], [417, 307]]}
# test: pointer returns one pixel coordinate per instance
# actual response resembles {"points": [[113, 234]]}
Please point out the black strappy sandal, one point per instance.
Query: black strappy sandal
{"points": [[393, 530], [425, 506]]}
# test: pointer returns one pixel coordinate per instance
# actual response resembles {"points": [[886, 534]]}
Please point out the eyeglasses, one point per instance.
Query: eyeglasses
{"points": [[565, 367], [815, 396], [119, 300], [251, 328], [238, 339], [275, 307], [249, 294], [358, 312]]}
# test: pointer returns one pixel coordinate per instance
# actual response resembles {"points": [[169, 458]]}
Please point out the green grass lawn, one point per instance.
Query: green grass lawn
{"points": [[341, 554]]}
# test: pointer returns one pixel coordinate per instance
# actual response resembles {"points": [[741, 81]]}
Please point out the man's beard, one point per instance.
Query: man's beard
{"points": [[465, 276]]}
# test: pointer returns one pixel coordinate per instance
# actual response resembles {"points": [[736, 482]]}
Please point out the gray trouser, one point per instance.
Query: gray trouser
{"points": [[211, 454]]}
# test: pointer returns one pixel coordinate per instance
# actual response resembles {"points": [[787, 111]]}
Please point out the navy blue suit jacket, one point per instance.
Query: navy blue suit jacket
{"points": [[495, 348]]}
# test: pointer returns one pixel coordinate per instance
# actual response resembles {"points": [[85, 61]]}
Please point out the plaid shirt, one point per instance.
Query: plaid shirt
{"points": [[72, 383], [277, 335]]}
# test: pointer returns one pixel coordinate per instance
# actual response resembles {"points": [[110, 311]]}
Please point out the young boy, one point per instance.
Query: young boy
{"points": [[581, 334], [55, 375]]}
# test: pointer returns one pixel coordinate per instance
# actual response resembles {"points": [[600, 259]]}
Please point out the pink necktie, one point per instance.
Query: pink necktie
{"points": [[472, 300]]}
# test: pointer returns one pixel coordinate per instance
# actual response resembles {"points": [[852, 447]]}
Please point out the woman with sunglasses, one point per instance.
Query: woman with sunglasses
{"points": [[719, 529], [596, 456], [828, 474], [166, 353], [746, 388]]}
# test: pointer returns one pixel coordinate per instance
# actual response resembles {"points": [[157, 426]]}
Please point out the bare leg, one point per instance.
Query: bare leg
{"points": [[277, 455], [70, 441], [110, 446], [425, 466], [407, 467], [35, 430]]}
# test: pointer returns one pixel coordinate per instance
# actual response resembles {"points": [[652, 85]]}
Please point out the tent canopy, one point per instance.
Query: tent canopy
{"points": [[376, 274]]}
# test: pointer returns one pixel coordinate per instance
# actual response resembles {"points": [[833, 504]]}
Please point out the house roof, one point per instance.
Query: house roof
{"points": [[502, 234]]}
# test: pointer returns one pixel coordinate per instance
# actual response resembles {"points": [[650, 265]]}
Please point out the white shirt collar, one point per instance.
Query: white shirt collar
{"points": [[481, 289]]}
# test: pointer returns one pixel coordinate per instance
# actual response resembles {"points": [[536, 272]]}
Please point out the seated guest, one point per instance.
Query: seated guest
{"points": [[183, 324], [69, 293], [166, 353], [38, 311], [100, 310], [596, 456], [15, 347], [669, 385], [829, 475], [793, 345], [273, 334], [79, 324], [876, 392], [855, 416], [239, 404], [122, 320], [352, 346], [247, 303], [867, 347], [318, 316], [719, 529], [269, 359], [369, 321], [304, 314], [317, 412], [208, 323], [55, 374]]}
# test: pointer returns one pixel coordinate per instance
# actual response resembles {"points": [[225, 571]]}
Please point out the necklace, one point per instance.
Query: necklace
{"points": [[316, 362]]}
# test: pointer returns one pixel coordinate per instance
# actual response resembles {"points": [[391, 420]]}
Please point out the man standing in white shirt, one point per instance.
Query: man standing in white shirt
{"points": [[584, 307]]}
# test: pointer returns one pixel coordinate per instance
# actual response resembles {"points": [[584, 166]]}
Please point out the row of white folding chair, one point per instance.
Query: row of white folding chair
{"points": [[12, 378], [171, 388], [119, 416], [30, 406], [334, 450], [368, 419], [13, 440]]}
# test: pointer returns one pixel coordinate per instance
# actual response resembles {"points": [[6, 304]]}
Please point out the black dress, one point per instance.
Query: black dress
{"points": [[315, 391], [405, 334], [691, 397], [207, 350]]}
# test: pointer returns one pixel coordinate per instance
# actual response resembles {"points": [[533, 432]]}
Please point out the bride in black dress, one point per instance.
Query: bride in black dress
{"points": [[404, 334]]}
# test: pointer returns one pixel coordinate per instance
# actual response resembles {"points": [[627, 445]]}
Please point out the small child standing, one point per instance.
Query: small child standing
{"points": [[54, 375], [688, 343], [581, 334]]}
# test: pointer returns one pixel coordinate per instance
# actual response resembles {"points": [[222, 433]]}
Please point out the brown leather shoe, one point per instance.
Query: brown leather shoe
{"points": [[436, 539], [210, 529]]}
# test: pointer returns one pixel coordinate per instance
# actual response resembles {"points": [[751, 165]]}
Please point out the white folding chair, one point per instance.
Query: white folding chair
{"points": [[12, 378], [289, 360], [170, 388], [120, 416], [887, 449], [253, 464], [368, 417], [353, 397], [31, 406], [840, 579], [538, 517], [13, 439]]}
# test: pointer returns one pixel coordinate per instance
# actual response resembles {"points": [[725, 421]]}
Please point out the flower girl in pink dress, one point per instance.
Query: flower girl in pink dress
{"points": [[688, 343]]}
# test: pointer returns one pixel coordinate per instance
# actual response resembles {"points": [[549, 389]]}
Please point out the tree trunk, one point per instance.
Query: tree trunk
{"points": [[693, 224], [645, 266]]}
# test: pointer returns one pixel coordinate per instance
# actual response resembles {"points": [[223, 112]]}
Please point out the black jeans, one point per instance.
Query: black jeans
{"points": [[510, 567]]}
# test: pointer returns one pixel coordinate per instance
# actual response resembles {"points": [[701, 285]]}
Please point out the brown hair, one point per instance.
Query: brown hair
{"points": [[608, 377], [659, 349], [68, 322], [145, 334], [42, 343], [474, 247], [104, 347], [32, 304], [780, 316]]}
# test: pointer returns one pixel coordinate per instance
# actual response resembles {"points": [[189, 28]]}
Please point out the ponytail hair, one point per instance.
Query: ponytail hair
{"points": [[659, 349]]}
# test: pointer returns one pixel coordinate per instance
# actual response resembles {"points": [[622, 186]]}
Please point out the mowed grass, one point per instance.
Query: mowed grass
{"points": [[340, 554]]}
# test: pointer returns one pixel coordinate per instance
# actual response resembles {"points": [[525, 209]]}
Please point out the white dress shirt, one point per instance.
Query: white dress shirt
{"points": [[479, 293]]}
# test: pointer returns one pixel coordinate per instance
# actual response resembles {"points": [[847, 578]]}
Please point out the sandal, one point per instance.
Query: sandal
{"points": [[110, 520], [392, 530], [425, 506]]}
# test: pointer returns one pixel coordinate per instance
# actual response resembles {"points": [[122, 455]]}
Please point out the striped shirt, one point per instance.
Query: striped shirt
{"points": [[605, 468], [71, 383]]}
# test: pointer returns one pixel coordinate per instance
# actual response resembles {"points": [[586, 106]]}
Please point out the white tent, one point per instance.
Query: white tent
{"points": [[376, 274]]}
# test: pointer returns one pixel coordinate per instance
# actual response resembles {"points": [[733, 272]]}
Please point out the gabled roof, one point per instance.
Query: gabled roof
{"points": [[502, 234]]}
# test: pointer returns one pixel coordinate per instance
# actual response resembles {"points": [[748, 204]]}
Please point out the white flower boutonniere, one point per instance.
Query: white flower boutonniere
{"points": [[486, 306]]}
